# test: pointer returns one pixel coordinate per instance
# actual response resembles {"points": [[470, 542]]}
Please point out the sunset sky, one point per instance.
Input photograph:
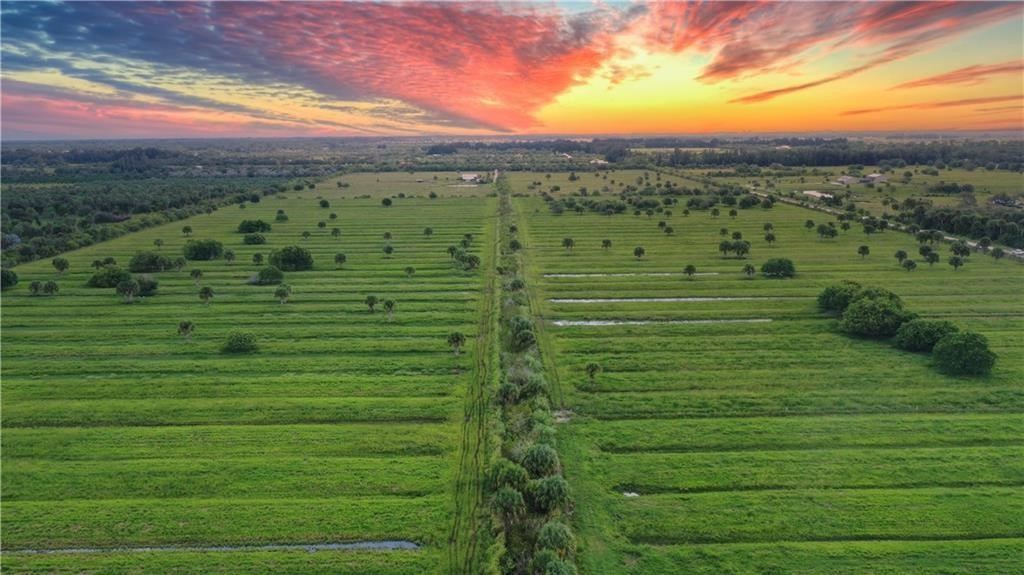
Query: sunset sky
{"points": [[147, 69]]}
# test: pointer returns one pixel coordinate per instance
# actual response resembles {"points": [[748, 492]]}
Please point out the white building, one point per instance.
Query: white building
{"points": [[816, 194]]}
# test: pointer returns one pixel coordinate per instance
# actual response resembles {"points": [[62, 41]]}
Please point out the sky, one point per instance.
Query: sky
{"points": [[239, 69]]}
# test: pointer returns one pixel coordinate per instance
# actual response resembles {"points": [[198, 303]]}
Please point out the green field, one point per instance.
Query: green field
{"points": [[772, 442], [345, 426]]}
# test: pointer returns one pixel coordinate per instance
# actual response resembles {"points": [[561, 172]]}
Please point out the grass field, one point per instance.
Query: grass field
{"points": [[779, 445], [344, 426]]}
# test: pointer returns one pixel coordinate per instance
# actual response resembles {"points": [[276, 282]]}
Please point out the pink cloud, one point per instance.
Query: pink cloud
{"points": [[940, 104], [969, 75]]}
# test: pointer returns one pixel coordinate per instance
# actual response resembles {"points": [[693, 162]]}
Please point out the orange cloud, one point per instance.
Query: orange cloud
{"points": [[942, 104], [969, 75]]}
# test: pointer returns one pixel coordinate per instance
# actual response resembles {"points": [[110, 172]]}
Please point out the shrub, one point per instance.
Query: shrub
{"points": [[147, 284], [253, 226], [281, 217], [507, 473], [964, 353], [778, 268], [836, 297], [875, 292], [239, 342], [923, 334], [548, 494], [541, 560], [108, 277], [508, 502], [268, 275], [50, 288], [540, 460], [149, 262], [292, 259], [560, 567], [557, 536], [874, 317], [8, 279], [254, 239], [203, 249]]}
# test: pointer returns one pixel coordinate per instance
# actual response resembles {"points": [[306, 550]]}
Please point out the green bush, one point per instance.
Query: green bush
{"points": [[8, 279], [203, 249], [964, 353], [292, 259], [548, 494], [557, 536], [540, 460], [778, 268], [253, 226], [875, 292], [507, 473], [268, 275], [874, 317], [836, 297], [149, 262], [108, 277], [923, 334], [560, 567], [239, 342], [508, 502], [147, 284], [254, 239]]}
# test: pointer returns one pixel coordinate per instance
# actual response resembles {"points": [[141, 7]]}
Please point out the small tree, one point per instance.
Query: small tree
{"points": [[206, 294], [864, 251], [964, 353], [639, 252], [389, 308], [568, 244], [998, 253], [456, 340], [909, 265], [292, 259], [874, 317], [388, 250], [669, 230], [61, 265], [158, 243], [923, 334], [371, 301], [428, 232], [333, 216], [306, 235], [932, 258], [257, 259], [770, 238], [733, 213], [128, 289], [386, 202], [900, 256], [8, 279], [960, 248], [325, 204], [339, 260], [229, 256], [409, 271], [387, 235], [557, 537], [690, 270], [187, 231], [196, 275], [335, 232], [956, 262], [283, 292], [778, 268], [35, 288], [50, 288], [592, 370], [179, 263], [240, 342], [715, 212], [809, 225], [749, 270], [768, 227], [185, 329], [605, 244]]}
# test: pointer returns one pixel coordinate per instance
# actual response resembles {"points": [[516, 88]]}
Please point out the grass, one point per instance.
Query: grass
{"points": [[782, 446], [344, 426]]}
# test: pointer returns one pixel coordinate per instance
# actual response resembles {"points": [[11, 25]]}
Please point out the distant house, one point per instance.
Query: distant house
{"points": [[845, 180], [566, 156], [875, 178], [470, 177], [818, 195], [598, 162]]}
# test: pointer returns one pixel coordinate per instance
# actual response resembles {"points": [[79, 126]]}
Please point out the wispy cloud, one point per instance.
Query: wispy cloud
{"points": [[975, 74], [940, 104]]}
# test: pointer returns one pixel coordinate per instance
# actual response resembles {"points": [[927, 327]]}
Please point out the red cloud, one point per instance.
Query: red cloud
{"points": [[969, 75], [942, 104]]}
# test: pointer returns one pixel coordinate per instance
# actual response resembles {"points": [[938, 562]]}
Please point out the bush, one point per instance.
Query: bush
{"points": [[239, 342], [8, 279], [540, 460], [964, 353], [147, 284], [292, 259], [541, 560], [254, 239], [506, 473], [923, 334], [149, 262], [875, 292], [548, 494], [108, 277], [253, 226], [203, 249], [778, 268], [268, 275], [557, 536], [560, 567], [508, 502], [874, 317], [836, 297]]}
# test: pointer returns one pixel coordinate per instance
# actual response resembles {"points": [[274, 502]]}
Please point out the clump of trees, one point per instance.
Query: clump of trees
{"points": [[267, 275], [253, 226], [254, 239], [877, 313], [203, 249], [292, 259], [8, 279], [240, 342], [778, 268], [108, 276], [149, 262]]}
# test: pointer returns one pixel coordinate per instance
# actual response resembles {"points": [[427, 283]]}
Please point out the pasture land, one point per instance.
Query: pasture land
{"points": [[344, 426], [782, 445]]}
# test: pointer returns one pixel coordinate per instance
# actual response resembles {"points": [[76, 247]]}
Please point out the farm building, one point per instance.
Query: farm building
{"points": [[816, 194], [469, 177], [875, 178], [845, 180]]}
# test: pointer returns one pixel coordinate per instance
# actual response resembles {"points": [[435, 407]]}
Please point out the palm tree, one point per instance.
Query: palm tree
{"points": [[257, 259], [388, 250], [690, 270], [339, 259], [409, 270], [592, 370], [749, 270], [371, 301], [283, 292], [456, 340], [206, 294], [185, 329], [305, 235], [864, 251], [605, 244], [196, 275], [900, 256], [770, 238], [639, 252], [568, 244], [187, 230], [229, 256], [715, 212], [335, 232], [389, 307]]}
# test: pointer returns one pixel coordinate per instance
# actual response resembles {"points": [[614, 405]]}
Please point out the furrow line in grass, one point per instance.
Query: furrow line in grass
{"points": [[677, 449], [664, 417], [310, 547], [665, 541], [640, 491]]}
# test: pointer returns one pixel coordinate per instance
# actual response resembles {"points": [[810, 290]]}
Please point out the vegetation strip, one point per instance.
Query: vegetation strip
{"points": [[311, 547]]}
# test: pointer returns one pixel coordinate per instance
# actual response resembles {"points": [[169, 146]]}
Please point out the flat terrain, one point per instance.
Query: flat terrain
{"points": [[345, 426], [769, 442]]}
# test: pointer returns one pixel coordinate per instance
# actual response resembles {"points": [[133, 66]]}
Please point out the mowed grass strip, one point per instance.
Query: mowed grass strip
{"points": [[199, 477], [648, 473], [824, 515], [228, 441], [144, 522], [230, 562]]}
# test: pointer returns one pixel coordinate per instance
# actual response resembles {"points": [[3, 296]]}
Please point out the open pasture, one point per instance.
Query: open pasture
{"points": [[345, 425], [771, 442]]}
